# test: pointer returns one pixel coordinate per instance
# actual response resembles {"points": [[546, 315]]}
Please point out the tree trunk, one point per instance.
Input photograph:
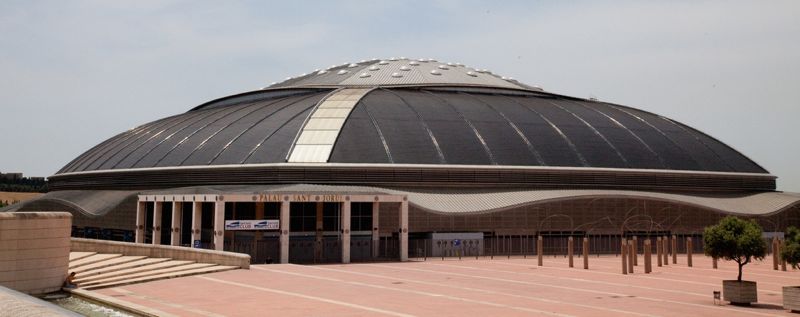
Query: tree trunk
{"points": [[740, 272]]}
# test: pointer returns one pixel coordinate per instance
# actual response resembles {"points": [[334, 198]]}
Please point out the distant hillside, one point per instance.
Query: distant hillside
{"points": [[7, 198]]}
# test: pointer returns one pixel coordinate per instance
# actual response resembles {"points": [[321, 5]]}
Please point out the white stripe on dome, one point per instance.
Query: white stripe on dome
{"points": [[315, 141]]}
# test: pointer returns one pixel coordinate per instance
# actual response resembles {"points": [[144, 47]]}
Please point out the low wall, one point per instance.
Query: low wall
{"points": [[161, 251], [34, 250]]}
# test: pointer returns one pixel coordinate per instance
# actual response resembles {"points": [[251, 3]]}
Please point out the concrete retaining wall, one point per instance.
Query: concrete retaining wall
{"points": [[14, 303], [34, 250], [161, 251]]}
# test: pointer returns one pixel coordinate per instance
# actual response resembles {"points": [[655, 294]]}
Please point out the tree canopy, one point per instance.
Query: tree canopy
{"points": [[735, 239], [24, 184], [791, 247]]}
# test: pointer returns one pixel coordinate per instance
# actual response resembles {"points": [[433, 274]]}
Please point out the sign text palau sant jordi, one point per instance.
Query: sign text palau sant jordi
{"points": [[300, 197]]}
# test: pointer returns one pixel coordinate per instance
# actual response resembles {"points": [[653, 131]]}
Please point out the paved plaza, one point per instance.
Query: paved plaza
{"points": [[468, 287]]}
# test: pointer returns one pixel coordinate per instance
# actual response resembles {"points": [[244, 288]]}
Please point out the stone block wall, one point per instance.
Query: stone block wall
{"points": [[34, 250]]}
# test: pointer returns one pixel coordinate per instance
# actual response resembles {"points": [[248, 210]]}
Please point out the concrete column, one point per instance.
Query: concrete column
{"points": [[689, 251], [585, 253], [175, 236], [569, 251], [665, 250], [285, 232], [674, 249], [658, 250], [228, 235], [259, 215], [623, 253], [157, 223], [631, 256], [539, 251], [141, 212], [647, 257], [219, 225], [345, 232], [197, 221], [635, 251], [376, 235], [404, 230]]}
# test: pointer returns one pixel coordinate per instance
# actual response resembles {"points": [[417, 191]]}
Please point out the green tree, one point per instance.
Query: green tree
{"points": [[735, 239], [791, 247]]}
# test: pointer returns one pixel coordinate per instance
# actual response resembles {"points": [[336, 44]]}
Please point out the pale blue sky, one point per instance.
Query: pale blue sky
{"points": [[73, 73]]}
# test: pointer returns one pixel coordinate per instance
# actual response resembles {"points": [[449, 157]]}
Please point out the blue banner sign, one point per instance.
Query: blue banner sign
{"points": [[252, 224]]}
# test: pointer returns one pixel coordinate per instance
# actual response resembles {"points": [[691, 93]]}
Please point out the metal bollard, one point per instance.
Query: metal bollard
{"points": [[569, 251], [775, 253], [714, 261], [539, 249], [658, 250], [665, 249], [585, 253], [647, 257], [491, 254], [674, 249], [524, 246], [783, 261], [689, 251], [631, 256], [624, 260], [635, 251], [508, 245]]}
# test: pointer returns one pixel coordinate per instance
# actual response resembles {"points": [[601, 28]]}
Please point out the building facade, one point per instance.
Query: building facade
{"points": [[408, 157]]}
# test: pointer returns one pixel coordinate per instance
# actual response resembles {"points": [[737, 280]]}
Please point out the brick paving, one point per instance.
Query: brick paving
{"points": [[468, 287]]}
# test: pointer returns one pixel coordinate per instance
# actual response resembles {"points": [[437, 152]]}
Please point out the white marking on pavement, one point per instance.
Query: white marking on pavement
{"points": [[648, 276], [166, 303], [576, 289], [612, 283], [671, 267], [437, 295], [321, 299], [552, 301]]}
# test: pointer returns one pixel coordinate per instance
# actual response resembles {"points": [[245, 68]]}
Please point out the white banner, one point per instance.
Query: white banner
{"points": [[252, 224]]}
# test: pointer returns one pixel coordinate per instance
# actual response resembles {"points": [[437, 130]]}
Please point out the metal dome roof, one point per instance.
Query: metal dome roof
{"points": [[399, 111], [401, 72]]}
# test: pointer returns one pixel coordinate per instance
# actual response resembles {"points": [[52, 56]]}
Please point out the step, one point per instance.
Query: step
{"points": [[123, 266], [92, 259], [80, 255], [110, 262], [147, 273], [133, 270], [211, 269]]}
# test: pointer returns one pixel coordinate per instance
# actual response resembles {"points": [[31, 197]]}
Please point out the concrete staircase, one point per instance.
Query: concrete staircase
{"points": [[96, 270]]}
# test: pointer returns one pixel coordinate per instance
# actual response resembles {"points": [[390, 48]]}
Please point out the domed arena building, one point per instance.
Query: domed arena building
{"points": [[386, 159]]}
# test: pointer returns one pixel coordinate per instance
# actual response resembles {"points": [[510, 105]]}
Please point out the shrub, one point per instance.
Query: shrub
{"points": [[791, 247]]}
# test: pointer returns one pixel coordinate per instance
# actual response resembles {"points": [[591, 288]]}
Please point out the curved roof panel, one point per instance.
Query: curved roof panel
{"points": [[431, 126], [250, 132]]}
